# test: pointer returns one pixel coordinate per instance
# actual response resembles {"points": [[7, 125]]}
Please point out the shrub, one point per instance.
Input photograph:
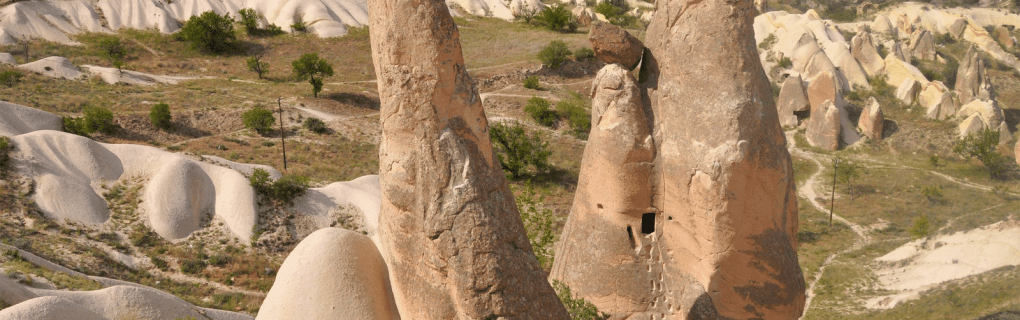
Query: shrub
{"points": [[583, 53], [573, 109], [309, 66], [531, 82], [934, 194], [75, 126], [299, 26], [553, 54], [113, 50], [517, 150], [768, 42], [6, 146], [259, 119], [160, 263], [578, 308], [615, 12], [982, 146], [192, 266], [920, 227], [556, 18], [209, 32], [785, 63], [249, 19], [949, 72], [257, 65], [539, 225], [538, 109], [841, 12], [316, 125], [98, 119], [281, 192], [159, 115], [220, 260], [10, 78]]}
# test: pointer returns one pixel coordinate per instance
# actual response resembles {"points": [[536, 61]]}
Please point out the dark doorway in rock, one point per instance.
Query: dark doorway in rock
{"points": [[647, 223]]}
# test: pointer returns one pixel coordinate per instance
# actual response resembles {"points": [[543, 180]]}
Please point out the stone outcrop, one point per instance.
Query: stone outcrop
{"points": [[598, 254], [971, 125], [1002, 35], [872, 120], [908, 90], [824, 127], [989, 110], [922, 44], [332, 274], [792, 98], [448, 228], [720, 162], [938, 101], [972, 79], [1004, 135], [864, 50], [824, 88], [612, 45], [898, 70]]}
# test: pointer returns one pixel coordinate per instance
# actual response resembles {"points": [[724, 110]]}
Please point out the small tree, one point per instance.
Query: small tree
{"points": [[159, 115], [920, 227], [299, 26], [578, 117], [556, 18], [316, 125], [114, 51], [309, 66], [583, 53], [10, 78], [578, 308], [98, 119], [257, 65], [553, 54], [209, 31], [982, 146], [250, 20], [539, 224], [259, 119], [517, 150], [281, 192], [538, 109], [531, 82], [846, 171]]}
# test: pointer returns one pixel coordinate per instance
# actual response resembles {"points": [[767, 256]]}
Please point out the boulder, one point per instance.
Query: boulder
{"points": [[792, 98], [896, 50], [908, 91], [972, 81], [612, 45], [872, 120], [881, 25], [1004, 135], [581, 14], [1002, 35], [723, 221], [989, 110], [451, 234], [938, 101], [922, 44], [971, 125], [897, 70], [824, 88], [7, 58], [864, 50], [332, 274], [595, 255], [957, 27], [823, 129]]}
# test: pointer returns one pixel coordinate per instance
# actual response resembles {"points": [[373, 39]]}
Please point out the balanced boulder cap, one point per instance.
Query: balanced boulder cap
{"points": [[612, 45]]}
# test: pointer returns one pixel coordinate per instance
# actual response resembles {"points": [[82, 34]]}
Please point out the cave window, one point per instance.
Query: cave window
{"points": [[647, 223]]}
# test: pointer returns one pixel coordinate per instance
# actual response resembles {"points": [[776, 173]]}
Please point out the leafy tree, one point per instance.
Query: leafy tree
{"points": [[316, 125], [309, 66], [98, 119], [982, 146], [517, 150], [281, 192], [114, 51], [553, 54], [921, 227], [10, 78], [556, 18], [539, 224], [578, 308], [250, 20], [578, 117], [159, 115], [5, 156], [259, 119], [846, 171], [257, 65], [538, 109], [209, 32]]}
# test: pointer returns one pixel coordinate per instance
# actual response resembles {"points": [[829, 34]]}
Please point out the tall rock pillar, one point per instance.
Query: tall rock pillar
{"points": [[449, 230]]}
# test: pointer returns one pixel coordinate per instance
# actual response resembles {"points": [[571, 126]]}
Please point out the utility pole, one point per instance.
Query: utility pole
{"points": [[282, 133], [832, 202]]}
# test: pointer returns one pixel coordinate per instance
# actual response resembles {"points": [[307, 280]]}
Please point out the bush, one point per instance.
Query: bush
{"points": [[257, 65], [281, 192], [539, 224], [10, 78], [75, 126], [192, 266], [583, 53], [579, 119], [556, 18], [920, 227], [785, 63], [309, 66], [98, 119], [934, 194], [531, 82], [316, 125], [250, 20], [553, 54], [982, 146], [160, 263], [209, 32], [6, 146], [259, 119], [949, 72], [538, 109], [517, 150], [159, 115], [578, 308], [841, 12], [299, 26], [113, 50], [616, 12]]}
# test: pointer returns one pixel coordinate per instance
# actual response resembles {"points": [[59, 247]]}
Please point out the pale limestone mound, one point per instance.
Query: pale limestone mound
{"points": [[320, 205], [48, 308], [7, 58], [112, 76], [792, 98], [881, 25], [824, 126], [332, 274], [17, 119], [864, 50], [813, 45], [612, 45], [721, 161], [872, 120], [13, 293], [938, 101], [908, 90], [922, 44], [449, 230], [972, 80], [178, 196], [604, 253], [54, 67], [126, 301]]}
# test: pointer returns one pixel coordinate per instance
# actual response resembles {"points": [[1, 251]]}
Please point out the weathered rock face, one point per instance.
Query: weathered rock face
{"points": [[792, 98], [1016, 152], [1001, 35], [971, 78], [971, 125], [863, 48], [612, 45], [938, 101], [1004, 135], [908, 91], [603, 254], [989, 110], [824, 127], [721, 162], [922, 44], [448, 228], [824, 88], [898, 70], [872, 120]]}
